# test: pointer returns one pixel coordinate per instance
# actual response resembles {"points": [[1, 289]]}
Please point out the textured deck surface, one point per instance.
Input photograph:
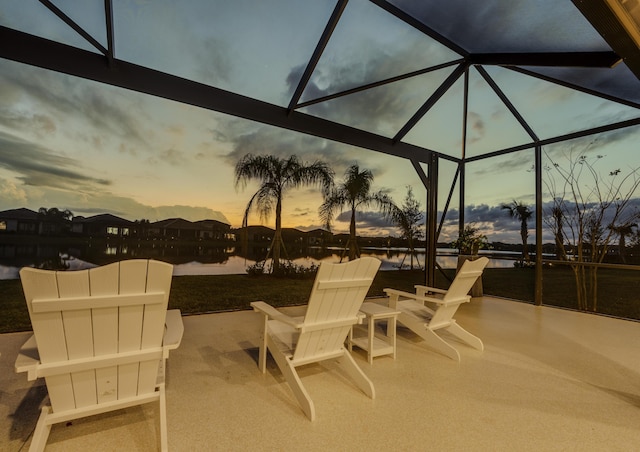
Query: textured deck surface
{"points": [[548, 379]]}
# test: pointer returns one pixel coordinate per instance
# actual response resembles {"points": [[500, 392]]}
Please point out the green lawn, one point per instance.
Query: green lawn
{"points": [[618, 294]]}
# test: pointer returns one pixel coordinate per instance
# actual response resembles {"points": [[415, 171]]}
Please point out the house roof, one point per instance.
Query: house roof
{"points": [[211, 224], [103, 218], [175, 223], [19, 214]]}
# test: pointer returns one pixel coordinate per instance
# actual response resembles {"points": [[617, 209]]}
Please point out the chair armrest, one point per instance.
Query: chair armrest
{"points": [[173, 329], [271, 312], [395, 294], [428, 289], [28, 359]]}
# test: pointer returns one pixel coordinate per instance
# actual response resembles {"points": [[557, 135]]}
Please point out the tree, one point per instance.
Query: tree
{"points": [[623, 231], [587, 206], [276, 177], [469, 241], [409, 218], [557, 224], [142, 228], [54, 220], [354, 192], [523, 214]]}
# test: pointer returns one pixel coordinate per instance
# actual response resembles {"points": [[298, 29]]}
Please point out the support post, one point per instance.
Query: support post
{"points": [[432, 221], [538, 285]]}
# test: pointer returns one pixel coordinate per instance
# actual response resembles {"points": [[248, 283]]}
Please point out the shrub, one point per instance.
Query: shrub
{"points": [[287, 269], [256, 269]]}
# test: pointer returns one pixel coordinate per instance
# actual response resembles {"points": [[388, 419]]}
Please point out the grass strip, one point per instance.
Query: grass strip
{"points": [[618, 291]]}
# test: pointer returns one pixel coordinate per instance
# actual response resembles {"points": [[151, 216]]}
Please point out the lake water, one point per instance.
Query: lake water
{"points": [[223, 261]]}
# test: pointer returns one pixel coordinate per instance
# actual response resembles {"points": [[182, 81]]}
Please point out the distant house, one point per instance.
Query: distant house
{"points": [[174, 229], [214, 230], [255, 234], [262, 234], [20, 221], [319, 237], [294, 236], [103, 225], [25, 221], [179, 228], [341, 239]]}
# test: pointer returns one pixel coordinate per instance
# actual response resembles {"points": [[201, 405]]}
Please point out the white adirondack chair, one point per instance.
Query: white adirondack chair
{"points": [[336, 297], [431, 309], [100, 339]]}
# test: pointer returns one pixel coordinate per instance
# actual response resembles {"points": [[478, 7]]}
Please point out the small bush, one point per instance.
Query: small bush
{"points": [[290, 270], [287, 269], [256, 269]]}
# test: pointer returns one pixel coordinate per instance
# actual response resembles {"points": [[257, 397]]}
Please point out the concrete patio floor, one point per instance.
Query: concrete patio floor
{"points": [[548, 379]]}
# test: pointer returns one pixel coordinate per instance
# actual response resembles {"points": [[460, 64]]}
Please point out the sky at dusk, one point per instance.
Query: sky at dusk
{"points": [[92, 148]]}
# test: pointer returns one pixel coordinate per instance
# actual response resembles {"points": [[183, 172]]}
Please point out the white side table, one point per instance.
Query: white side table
{"points": [[365, 337]]}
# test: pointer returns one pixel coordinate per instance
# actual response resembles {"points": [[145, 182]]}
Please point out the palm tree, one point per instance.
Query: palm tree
{"points": [[623, 230], [522, 213], [354, 192], [277, 176]]}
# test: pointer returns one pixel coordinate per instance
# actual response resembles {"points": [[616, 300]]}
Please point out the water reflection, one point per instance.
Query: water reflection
{"points": [[194, 259]]}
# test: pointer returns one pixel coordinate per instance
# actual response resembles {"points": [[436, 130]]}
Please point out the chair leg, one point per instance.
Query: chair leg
{"points": [[163, 420], [430, 337], [41, 432], [465, 336], [352, 369], [299, 391], [436, 342], [262, 353]]}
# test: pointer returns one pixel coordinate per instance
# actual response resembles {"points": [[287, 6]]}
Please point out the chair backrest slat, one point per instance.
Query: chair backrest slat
{"points": [[158, 280], [78, 331], [83, 302], [104, 282]]}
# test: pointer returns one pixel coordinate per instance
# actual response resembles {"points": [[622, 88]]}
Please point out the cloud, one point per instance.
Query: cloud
{"points": [[39, 124], [90, 203], [514, 162], [38, 166], [109, 111], [492, 221], [300, 212], [383, 110], [262, 139], [477, 127], [366, 219], [170, 156], [500, 26], [58, 97], [133, 210], [495, 222], [212, 60], [618, 81], [11, 194]]}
